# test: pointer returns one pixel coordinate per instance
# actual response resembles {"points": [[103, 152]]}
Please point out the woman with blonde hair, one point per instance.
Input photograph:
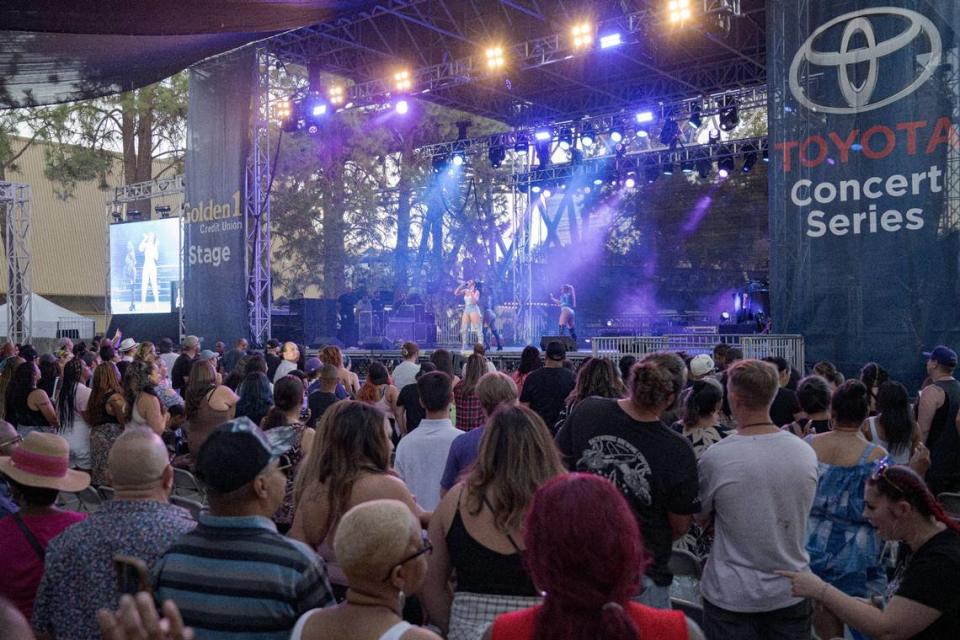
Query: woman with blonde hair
{"points": [[106, 411], [469, 411], [146, 352], [349, 464], [477, 530]]}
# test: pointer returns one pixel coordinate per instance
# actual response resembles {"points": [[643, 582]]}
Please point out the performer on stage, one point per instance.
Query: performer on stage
{"points": [[489, 317], [470, 321], [567, 302], [150, 248]]}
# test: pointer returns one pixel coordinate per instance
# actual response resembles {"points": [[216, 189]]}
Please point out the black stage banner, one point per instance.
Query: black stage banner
{"points": [[865, 179], [218, 133]]}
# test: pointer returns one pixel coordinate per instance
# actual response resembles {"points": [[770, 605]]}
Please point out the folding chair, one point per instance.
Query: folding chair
{"points": [[186, 485], [192, 506]]}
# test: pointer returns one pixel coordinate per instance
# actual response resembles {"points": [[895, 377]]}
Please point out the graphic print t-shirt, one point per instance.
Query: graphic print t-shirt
{"points": [[653, 466]]}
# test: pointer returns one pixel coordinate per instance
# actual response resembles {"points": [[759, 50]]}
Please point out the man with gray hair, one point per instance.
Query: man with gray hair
{"points": [[138, 522]]}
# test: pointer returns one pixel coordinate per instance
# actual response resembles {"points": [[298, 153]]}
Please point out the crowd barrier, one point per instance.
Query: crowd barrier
{"points": [[789, 347]]}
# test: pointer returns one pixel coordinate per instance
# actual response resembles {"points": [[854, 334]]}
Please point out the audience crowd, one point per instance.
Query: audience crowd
{"points": [[162, 493]]}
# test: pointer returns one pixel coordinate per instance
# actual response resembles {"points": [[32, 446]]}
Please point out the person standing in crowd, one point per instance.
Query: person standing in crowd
{"points": [[138, 521], [624, 365], [106, 410], [654, 467], [924, 594], [350, 466], [873, 375], [828, 371], [71, 411], [546, 389], [409, 410], [325, 396], [331, 354], [813, 394], [937, 411], [181, 366], [844, 549], [477, 531], [720, 352], [144, 408], [379, 393], [272, 356], [263, 585], [421, 455], [255, 393], [36, 472], [406, 372], [291, 356], [145, 352], [595, 377], [700, 366], [208, 404], [9, 440], [468, 410], [28, 407], [481, 351], [785, 408], [165, 352], [529, 360], [375, 539], [443, 361], [756, 488], [585, 551], [9, 367], [893, 428], [127, 349], [232, 357], [50, 373], [165, 391], [493, 390], [285, 415]]}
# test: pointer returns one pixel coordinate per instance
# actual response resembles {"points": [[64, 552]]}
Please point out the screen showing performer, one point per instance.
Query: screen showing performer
{"points": [[144, 261]]}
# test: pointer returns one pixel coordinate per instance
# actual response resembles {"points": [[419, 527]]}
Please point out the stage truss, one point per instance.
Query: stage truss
{"points": [[15, 204]]}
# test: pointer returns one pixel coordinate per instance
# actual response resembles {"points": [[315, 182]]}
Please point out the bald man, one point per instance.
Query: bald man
{"points": [[9, 439], [139, 521]]}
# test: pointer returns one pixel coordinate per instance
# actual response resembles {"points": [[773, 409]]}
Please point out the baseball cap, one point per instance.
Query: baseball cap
{"points": [[312, 365], [556, 350], [238, 451], [942, 355], [207, 354], [701, 365], [190, 342]]}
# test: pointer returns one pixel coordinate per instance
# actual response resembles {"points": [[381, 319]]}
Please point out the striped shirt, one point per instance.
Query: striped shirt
{"points": [[238, 578]]}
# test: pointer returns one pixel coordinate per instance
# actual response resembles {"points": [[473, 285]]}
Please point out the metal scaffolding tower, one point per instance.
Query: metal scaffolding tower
{"points": [[15, 204]]}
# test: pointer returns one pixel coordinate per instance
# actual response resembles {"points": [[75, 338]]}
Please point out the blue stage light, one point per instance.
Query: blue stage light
{"points": [[542, 134], [610, 40], [402, 107], [643, 117]]}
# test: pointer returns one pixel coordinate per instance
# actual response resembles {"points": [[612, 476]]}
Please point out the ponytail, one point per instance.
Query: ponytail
{"points": [[616, 623]]}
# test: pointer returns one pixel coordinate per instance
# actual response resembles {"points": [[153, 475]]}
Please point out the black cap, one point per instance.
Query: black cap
{"points": [[237, 452], [944, 356], [556, 350]]}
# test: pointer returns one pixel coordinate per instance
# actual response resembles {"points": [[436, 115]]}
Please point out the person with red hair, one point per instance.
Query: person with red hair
{"points": [[584, 550]]}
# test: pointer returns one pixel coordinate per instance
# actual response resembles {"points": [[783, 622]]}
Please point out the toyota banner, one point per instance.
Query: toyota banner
{"points": [[865, 179]]}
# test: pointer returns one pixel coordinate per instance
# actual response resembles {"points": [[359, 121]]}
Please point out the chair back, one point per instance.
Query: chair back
{"points": [[88, 500], [186, 485], [684, 563], [194, 507]]}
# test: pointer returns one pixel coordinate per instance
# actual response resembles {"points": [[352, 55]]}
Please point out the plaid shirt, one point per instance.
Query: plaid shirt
{"points": [[469, 411]]}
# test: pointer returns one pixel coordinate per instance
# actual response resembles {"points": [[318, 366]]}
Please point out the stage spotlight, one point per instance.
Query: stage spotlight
{"points": [[536, 189], [729, 115], [669, 133], [566, 138], [283, 110], [457, 159], [117, 215], [651, 171], [645, 117], [667, 167], [495, 58], [439, 162], [630, 182], [547, 193], [686, 166], [616, 134], [766, 152], [543, 154], [336, 95], [610, 40], [678, 10], [597, 182], [725, 316], [543, 134], [402, 82], [587, 135], [714, 136], [696, 119], [522, 144], [749, 158], [496, 154], [582, 35], [725, 163], [704, 164]]}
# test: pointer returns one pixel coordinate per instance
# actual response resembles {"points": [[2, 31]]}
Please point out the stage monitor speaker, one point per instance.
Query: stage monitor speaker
{"points": [[400, 329], [737, 329], [567, 341], [318, 317]]}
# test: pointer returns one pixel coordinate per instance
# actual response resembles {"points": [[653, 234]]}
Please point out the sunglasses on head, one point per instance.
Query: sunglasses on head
{"points": [[879, 474]]}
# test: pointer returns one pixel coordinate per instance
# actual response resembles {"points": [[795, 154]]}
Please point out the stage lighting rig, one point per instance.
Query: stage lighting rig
{"points": [[729, 115], [522, 144], [162, 210], [668, 165], [610, 40], [695, 118], [543, 134], [497, 154], [678, 11], [336, 95], [565, 138], [714, 136], [670, 133], [582, 35], [543, 153], [704, 164], [686, 166], [402, 82], [651, 171], [587, 135], [402, 107], [749, 158], [725, 163], [495, 59]]}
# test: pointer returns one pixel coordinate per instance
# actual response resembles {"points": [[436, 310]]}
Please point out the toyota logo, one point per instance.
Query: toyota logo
{"points": [[858, 97]]}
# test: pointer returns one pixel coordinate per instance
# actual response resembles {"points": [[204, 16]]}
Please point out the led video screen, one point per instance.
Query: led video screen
{"points": [[144, 262]]}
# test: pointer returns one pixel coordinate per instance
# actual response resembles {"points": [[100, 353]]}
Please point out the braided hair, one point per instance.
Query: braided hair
{"points": [[898, 482]]}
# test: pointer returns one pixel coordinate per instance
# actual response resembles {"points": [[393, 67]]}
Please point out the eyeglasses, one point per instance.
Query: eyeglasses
{"points": [[425, 549], [15, 440], [880, 473]]}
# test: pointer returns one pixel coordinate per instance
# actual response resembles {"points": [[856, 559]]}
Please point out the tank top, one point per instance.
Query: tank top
{"points": [[137, 420], [900, 456], [24, 416], [483, 570], [944, 442], [393, 633], [650, 622], [383, 404], [204, 422], [566, 300], [947, 413]]}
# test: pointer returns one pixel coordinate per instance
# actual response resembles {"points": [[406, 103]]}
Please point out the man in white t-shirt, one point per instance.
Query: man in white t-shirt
{"points": [[422, 454], [757, 486]]}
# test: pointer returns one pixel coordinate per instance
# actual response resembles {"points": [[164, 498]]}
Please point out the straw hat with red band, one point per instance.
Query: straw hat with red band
{"points": [[43, 460]]}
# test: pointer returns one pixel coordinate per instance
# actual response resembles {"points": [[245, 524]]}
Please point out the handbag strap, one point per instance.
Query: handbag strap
{"points": [[32, 539]]}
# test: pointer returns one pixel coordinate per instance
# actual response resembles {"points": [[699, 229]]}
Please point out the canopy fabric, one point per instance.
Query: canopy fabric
{"points": [[47, 318], [54, 52]]}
